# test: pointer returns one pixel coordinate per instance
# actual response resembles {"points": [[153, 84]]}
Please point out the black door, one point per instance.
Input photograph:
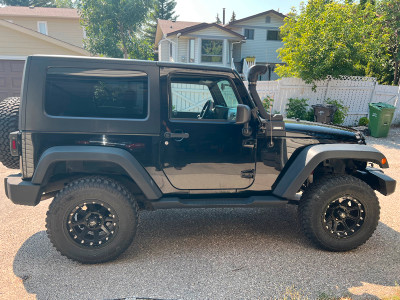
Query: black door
{"points": [[203, 147]]}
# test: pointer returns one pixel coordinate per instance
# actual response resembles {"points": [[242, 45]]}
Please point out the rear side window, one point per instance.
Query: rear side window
{"points": [[96, 93]]}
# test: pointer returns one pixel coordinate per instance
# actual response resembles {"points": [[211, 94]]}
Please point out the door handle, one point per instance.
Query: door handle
{"points": [[176, 135]]}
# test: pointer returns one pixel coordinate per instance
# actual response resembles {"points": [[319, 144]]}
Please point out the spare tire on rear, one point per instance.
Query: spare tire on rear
{"points": [[9, 112]]}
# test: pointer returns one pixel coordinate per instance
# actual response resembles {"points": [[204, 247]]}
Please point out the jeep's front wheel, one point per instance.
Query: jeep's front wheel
{"points": [[339, 213], [92, 220]]}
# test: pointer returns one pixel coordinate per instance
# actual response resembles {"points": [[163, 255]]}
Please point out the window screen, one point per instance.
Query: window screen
{"points": [[96, 93]]}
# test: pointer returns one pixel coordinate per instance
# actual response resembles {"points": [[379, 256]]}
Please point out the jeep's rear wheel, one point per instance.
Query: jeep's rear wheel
{"points": [[9, 112], [92, 220], [339, 213]]}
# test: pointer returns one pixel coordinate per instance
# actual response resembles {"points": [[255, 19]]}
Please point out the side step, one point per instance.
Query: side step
{"points": [[252, 201]]}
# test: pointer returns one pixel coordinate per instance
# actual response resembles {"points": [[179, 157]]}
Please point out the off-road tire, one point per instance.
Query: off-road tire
{"points": [[80, 194], [315, 209], [9, 112]]}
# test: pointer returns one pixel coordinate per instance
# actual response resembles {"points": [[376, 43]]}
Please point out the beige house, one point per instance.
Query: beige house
{"points": [[35, 30], [239, 44]]}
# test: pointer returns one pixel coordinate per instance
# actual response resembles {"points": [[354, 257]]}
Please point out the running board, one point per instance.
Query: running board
{"points": [[252, 201]]}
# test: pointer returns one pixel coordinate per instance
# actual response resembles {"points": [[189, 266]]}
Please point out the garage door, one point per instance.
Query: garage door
{"points": [[10, 77]]}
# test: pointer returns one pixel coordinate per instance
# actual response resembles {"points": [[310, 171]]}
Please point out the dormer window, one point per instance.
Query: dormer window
{"points": [[42, 27], [267, 19]]}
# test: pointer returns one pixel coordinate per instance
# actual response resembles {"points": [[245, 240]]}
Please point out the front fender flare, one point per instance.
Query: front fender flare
{"points": [[308, 159], [98, 153]]}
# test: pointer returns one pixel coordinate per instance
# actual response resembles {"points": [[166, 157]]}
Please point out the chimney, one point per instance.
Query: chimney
{"points": [[223, 16]]}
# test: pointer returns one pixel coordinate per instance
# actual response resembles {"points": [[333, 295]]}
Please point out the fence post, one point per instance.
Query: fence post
{"points": [[373, 92], [327, 88]]}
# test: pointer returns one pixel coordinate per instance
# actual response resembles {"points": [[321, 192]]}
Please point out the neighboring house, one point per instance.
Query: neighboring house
{"points": [[26, 30], [239, 44]]}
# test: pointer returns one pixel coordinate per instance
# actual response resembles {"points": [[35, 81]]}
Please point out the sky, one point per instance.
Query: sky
{"points": [[206, 10]]}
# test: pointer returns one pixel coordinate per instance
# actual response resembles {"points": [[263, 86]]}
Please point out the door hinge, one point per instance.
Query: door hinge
{"points": [[247, 174]]}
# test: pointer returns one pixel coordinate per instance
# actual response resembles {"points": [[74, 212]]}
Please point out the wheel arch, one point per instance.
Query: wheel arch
{"points": [[307, 160], [133, 170]]}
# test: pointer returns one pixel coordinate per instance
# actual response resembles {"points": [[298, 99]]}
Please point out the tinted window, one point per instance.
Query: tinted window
{"points": [[273, 35], [249, 34], [96, 93]]}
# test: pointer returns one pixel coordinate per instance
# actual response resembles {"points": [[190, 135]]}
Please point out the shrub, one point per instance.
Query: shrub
{"points": [[298, 108], [364, 121], [268, 103], [341, 111]]}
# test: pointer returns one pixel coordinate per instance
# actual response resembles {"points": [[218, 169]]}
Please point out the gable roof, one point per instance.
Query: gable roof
{"points": [[44, 37], [169, 27], [50, 12], [258, 15]]}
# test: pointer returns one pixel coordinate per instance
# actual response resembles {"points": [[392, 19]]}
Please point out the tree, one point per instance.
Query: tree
{"points": [[113, 28], [390, 16], [333, 38], [233, 18], [217, 19], [162, 9]]}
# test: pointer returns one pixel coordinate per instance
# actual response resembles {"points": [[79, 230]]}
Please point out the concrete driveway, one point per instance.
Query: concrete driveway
{"points": [[205, 254]]}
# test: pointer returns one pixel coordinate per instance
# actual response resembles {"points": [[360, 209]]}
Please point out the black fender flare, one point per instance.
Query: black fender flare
{"points": [[118, 156], [308, 159]]}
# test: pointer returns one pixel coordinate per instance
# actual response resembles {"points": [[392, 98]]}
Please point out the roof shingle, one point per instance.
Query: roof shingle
{"points": [[49, 12]]}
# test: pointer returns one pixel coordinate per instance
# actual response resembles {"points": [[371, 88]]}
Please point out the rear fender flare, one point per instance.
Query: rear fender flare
{"points": [[98, 153]]}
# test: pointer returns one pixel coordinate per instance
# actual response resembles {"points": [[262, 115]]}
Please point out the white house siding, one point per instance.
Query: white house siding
{"points": [[183, 50], [264, 51], [163, 50]]}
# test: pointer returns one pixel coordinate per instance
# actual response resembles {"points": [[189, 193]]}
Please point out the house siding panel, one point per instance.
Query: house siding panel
{"points": [[183, 50], [164, 51], [264, 51], [15, 43], [68, 30], [214, 32]]}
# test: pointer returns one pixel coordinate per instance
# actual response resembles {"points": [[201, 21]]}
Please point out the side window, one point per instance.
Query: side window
{"points": [[96, 93], [210, 98]]}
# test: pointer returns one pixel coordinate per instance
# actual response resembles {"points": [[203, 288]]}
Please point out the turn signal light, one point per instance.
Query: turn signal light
{"points": [[384, 161]]}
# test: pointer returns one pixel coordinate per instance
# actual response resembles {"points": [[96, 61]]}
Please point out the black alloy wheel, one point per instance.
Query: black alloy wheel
{"points": [[339, 213], [92, 220]]}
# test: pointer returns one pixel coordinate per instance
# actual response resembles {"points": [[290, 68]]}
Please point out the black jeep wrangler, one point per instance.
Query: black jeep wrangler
{"points": [[108, 137]]}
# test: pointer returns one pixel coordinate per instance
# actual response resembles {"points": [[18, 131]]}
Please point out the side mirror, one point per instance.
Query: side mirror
{"points": [[243, 114]]}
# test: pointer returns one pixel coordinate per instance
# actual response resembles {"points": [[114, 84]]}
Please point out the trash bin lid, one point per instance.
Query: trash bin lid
{"points": [[382, 105]]}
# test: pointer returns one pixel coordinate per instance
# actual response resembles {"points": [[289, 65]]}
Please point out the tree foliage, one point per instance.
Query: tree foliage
{"points": [[390, 16], [217, 19], [233, 18], [113, 28], [162, 9], [332, 38]]}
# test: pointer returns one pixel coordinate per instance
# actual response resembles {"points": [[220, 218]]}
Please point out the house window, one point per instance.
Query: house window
{"points": [[249, 34], [273, 35], [211, 51], [267, 19], [191, 51], [42, 27]]}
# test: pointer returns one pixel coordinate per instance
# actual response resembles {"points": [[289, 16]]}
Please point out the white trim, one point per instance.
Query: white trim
{"points": [[5, 57], [38, 27]]}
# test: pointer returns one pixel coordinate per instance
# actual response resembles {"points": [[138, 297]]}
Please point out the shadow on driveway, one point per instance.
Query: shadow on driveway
{"points": [[212, 254]]}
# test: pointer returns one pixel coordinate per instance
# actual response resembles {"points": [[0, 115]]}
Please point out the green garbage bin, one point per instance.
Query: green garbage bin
{"points": [[380, 118]]}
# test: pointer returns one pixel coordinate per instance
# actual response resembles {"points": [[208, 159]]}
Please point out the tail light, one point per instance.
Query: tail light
{"points": [[15, 144]]}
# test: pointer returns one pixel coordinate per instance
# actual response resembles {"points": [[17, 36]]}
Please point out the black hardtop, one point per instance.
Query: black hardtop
{"points": [[69, 58]]}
